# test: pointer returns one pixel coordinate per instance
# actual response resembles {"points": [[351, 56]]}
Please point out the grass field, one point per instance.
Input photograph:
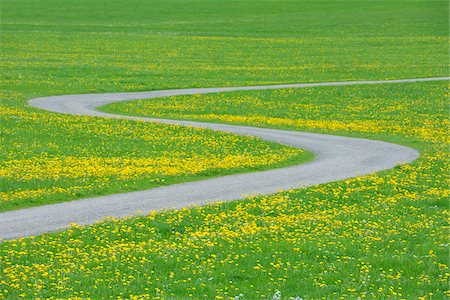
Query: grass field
{"points": [[48, 158], [60, 47], [378, 236]]}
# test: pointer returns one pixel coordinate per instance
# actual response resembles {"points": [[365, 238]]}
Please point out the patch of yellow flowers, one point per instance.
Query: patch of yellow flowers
{"points": [[124, 168], [46, 154]]}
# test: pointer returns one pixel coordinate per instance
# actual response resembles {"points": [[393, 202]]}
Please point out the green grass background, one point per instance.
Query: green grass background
{"points": [[382, 236], [56, 47]]}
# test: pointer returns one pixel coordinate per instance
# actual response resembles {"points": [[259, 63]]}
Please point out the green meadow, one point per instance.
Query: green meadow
{"points": [[379, 236]]}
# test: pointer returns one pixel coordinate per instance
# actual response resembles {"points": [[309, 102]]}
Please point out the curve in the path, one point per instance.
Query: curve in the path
{"points": [[337, 158]]}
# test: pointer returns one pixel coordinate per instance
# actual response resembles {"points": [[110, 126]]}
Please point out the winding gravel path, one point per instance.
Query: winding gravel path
{"points": [[337, 158]]}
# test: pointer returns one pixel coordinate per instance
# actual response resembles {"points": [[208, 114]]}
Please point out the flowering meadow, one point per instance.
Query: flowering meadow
{"points": [[377, 236], [381, 236], [50, 158]]}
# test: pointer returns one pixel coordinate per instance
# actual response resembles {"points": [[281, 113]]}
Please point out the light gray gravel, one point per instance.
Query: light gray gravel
{"points": [[337, 158]]}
